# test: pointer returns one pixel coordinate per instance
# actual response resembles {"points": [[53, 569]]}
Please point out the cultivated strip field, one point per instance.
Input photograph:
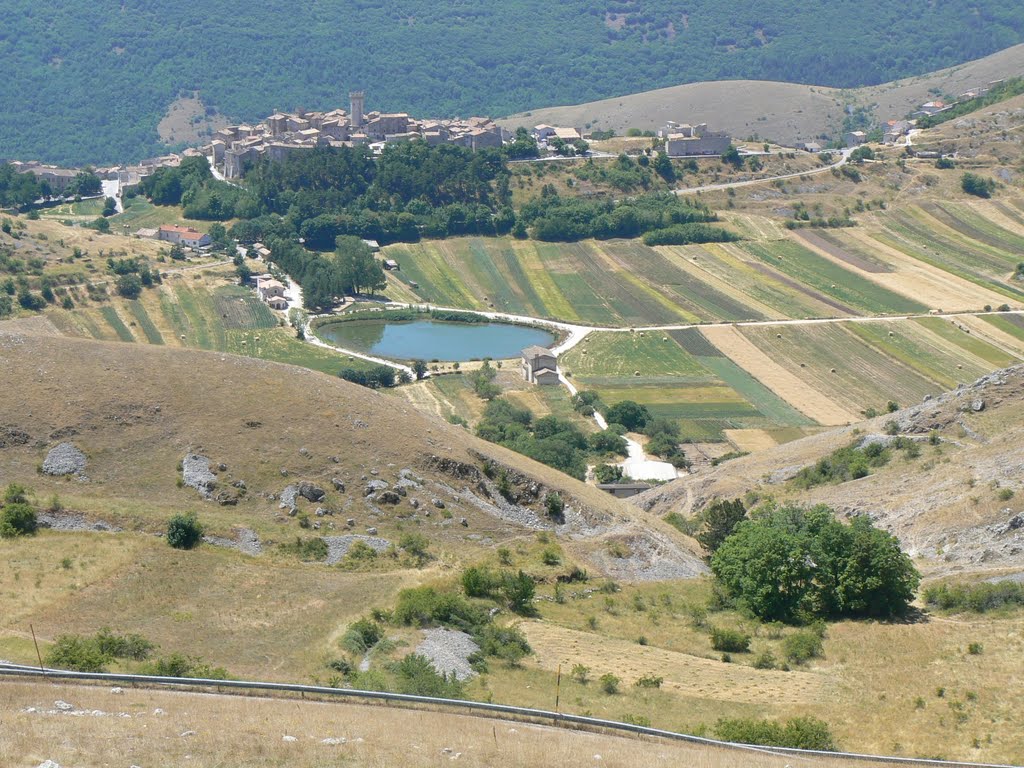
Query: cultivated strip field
{"points": [[207, 313]]}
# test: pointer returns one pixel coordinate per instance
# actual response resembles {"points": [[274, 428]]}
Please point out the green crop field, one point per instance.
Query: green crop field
{"points": [[850, 294], [617, 282], [615, 357], [948, 330], [922, 237], [241, 309], [682, 377], [1011, 324], [115, 322], [974, 227], [864, 376], [927, 353], [224, 318], [152, 333]]}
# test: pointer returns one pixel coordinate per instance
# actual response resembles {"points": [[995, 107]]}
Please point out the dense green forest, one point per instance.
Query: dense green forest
{"points": [[88, 82]]}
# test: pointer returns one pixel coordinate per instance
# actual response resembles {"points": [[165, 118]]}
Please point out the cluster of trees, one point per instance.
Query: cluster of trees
{"points": [[192, 186], [664, 434], [349, 270], [976, 185], [792, 564], [554, 218], [411, 189], [549, 440], [374, 377]]}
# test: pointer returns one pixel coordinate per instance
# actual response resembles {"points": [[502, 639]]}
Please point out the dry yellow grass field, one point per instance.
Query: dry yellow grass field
{"points": [[146, 727]]}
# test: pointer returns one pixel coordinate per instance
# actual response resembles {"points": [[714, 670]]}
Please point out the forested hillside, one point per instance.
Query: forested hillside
{"points": [[89, 82]]}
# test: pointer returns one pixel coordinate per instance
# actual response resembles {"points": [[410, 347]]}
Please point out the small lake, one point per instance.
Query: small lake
{"points": [[434, 340]]}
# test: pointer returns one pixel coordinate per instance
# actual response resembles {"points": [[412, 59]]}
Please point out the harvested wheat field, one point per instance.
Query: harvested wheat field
{"points": [[784, 383]]}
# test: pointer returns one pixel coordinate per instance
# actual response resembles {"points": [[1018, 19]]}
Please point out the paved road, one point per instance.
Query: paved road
{"points": [[843, 159]]}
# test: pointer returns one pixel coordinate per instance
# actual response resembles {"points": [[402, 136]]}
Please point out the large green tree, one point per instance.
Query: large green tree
{"points": [[790, 564]]}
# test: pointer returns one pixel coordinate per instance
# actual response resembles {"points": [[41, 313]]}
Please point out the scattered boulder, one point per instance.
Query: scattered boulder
{"points": [[227, 498], [414, 503], [389, 497], [195, 473], [339, 484], [464, 522], [12, 436], [978, 405], [374, 486], [288, 498], [371, 531], [239, 484], [64, 459], [311, 492], [1015, 523], [437, 503], [350, 522]]}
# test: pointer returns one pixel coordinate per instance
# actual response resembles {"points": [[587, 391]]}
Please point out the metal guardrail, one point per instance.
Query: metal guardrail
{"points": [[552, 718]]}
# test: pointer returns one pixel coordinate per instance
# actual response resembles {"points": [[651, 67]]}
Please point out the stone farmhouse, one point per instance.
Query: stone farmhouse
{"points": [[283, 133], [183, 236], [540, 366], [57, 178], [693, 140]]}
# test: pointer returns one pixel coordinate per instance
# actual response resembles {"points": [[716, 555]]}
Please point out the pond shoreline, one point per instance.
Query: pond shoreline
{"points": [[437, 335]]}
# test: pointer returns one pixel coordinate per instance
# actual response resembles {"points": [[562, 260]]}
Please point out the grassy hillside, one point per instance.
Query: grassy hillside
{"points": [[786, 112], [506, 57]]}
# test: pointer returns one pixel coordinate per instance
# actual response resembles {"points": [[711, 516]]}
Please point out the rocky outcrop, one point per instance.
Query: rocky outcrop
{"points": [[195, 473], [64, 459]]}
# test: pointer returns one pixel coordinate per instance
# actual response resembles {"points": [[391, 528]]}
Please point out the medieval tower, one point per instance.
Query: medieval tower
{"points": [[356, 108]]}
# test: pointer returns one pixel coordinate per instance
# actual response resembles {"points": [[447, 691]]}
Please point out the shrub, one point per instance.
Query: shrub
{"points": [[426, 606], [802, 646], [518, 590], [415, 544], [17, 519], [184, 531], [730, 640], [550, 556], [479, 581], [649, 681], [554, 505], [765, 660], [129, 646], [978, 597], [311, 549], [81, 654], [361, 636], [976, 185], [975, 649], [180, 665], [609, 683], [506, 643], [580, 673], [416, 675], [799, 733]]}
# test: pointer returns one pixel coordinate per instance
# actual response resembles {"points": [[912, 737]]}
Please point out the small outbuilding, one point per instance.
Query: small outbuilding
{"points": [[624, 490]]}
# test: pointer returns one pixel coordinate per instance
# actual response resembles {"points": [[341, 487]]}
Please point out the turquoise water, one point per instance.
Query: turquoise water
{"points": [[434, 340]]}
